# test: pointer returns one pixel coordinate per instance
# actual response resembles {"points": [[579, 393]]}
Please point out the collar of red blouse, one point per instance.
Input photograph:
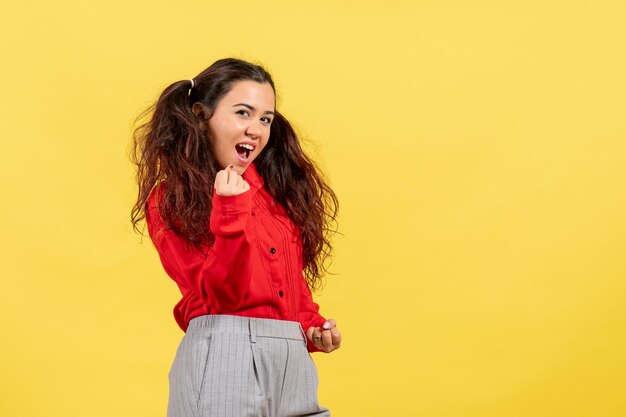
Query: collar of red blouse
{"points": [[252, 176]]}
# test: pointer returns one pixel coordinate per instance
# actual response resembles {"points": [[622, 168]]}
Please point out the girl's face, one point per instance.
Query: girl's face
{"points": [[239, 128]]}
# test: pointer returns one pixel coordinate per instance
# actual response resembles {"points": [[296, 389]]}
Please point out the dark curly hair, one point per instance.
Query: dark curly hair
{"points": [[170, 146]]}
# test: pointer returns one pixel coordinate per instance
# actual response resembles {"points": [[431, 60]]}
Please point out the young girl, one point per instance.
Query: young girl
{"points": [[240, 217]]}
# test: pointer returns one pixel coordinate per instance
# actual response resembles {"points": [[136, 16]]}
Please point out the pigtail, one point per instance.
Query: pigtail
{"points": [[170, 146]]}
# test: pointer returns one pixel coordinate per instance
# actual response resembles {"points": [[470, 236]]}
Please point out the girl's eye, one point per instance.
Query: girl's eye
{"points": [[266, 120]]}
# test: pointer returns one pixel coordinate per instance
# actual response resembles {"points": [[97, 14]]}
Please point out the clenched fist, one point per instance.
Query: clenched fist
{"points": [[327, 338], [228, 182]]}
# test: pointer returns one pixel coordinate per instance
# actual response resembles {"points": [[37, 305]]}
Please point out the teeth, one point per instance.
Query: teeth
{"points": [[246, 146]]}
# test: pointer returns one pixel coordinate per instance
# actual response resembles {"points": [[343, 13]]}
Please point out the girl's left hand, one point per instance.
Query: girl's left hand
{"points": [[327, 338]]}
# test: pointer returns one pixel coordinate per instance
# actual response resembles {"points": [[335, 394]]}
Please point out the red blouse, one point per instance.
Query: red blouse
{"points": [[253, 269]]}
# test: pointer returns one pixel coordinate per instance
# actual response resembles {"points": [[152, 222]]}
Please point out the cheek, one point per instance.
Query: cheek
{"points": [[263, 148], [223, 128], [219, 136]]}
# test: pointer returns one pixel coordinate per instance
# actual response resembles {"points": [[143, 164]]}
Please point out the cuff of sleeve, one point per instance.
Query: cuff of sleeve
{"points": [[229, 214], [314, 323], [232, 204]]}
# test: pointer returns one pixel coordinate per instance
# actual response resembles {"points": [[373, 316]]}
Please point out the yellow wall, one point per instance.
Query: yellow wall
{"points": [[478, 151]]}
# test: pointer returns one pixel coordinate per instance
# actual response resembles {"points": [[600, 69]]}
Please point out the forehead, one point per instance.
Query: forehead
{"points": [[258, 95]]}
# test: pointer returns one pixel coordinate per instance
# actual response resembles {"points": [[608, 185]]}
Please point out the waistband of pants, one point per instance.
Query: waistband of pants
{"points": [[252, 326]]}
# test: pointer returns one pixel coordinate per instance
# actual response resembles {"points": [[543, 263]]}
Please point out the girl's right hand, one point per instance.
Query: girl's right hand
{"points": [[326, 338], [228, 182]]}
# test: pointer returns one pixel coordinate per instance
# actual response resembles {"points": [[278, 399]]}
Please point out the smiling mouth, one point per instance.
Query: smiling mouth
{"points": [[244, 150]]}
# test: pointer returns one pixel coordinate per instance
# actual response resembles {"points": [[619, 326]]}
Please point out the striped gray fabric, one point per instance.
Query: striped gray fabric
{"points": [[243, 366]]}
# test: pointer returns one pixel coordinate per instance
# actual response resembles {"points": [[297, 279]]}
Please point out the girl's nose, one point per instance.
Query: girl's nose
{"points": [[254, 129]]}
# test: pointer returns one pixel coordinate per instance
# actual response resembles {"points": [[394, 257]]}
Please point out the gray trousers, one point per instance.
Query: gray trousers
{"points": [[242, 366]]}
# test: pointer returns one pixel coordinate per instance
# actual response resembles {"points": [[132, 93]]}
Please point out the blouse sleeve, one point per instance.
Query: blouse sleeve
{"points": [[309, 314], [221, 277]]}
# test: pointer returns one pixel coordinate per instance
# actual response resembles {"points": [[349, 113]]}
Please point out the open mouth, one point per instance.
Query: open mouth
{"points": [[244, 150]]}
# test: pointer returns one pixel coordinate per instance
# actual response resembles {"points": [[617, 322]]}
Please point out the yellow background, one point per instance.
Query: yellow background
{"points": [[478, 151]]}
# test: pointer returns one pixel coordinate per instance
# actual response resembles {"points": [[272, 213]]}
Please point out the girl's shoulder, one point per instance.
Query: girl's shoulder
{"points": [[154, 202], [155, 198]]}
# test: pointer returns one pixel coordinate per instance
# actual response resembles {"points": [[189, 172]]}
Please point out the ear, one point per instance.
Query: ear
{"points": [[201, 111]]}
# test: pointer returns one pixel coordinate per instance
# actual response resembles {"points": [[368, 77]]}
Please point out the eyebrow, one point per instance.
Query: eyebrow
{"points": [[252, 108]]}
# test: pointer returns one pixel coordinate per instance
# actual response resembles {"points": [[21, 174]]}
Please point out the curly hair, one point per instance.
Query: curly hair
{"points": [[170, 147]]}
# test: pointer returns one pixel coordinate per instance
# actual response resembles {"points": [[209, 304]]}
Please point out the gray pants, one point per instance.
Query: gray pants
{"points": [[241, 366]]}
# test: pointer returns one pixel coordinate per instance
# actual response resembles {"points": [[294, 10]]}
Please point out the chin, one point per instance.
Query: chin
{"points": [[240, 168]]}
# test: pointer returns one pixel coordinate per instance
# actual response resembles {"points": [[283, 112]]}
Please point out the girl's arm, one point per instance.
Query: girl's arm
{"points": [[222, 277], [309, 313]]}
